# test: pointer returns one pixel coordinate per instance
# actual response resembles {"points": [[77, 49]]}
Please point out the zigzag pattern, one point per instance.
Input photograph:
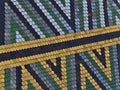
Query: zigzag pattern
{"points": [[71, 56]]}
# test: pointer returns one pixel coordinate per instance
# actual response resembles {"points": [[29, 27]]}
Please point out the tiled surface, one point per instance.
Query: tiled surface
{"points": [[59, 44]]}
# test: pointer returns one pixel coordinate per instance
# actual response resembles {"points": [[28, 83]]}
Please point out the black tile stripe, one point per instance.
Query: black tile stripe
{"points": [[58, 46], [106, 13], [90, 14], [57, 68], [117, 3], [36, 77], [44, 17], [2, 22], [29, 27], [93, 75], [70, 22], [118, 57], [101, 57], [72, 12], [78, 60], [18, 78]]}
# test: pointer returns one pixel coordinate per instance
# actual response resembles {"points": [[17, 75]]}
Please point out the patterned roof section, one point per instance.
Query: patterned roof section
{"points": [[59, 45], [34, 19]]}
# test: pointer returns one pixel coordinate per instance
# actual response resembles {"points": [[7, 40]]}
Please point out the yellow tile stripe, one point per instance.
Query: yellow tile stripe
{"points": [[107, 69], [27, 76], [2, 80], [62, 83], [57, 39], [84, 74], [60, 53]]}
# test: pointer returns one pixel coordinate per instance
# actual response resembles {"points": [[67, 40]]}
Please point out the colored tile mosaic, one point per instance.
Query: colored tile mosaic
{"points": [[59, 45]]}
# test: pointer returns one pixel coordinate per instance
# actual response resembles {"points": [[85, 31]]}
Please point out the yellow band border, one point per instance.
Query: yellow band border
{"points": [[57, 39], [59, 53]]}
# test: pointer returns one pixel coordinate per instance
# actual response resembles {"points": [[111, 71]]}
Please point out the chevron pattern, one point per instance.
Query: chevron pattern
{"points": [[59, 44]]}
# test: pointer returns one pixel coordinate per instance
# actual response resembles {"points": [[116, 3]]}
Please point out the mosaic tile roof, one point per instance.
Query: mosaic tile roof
{"points": [[59, 45]]}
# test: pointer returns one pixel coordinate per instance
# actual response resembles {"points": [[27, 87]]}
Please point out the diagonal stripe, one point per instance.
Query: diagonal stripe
{"points": [[85, 15], [117, 3], [95, 70], [24, 20], [70, 22], [36, 77], [41, 7], [94, 76], [63, 4], [36, 67], [37, 18], [116, 67], [90, 14], [60, 53], [58, 46], [44, 17], [58, 39], [2, 79], [78, 60], [106, 13], [2, 22], [18, 78], [118, 57], [83, 41], [101, 13]]}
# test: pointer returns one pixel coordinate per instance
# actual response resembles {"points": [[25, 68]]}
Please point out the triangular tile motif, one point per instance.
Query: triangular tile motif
{"points": [[55, 66], [65, 6], [14, 26], [101, 55], [59, 45]]}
